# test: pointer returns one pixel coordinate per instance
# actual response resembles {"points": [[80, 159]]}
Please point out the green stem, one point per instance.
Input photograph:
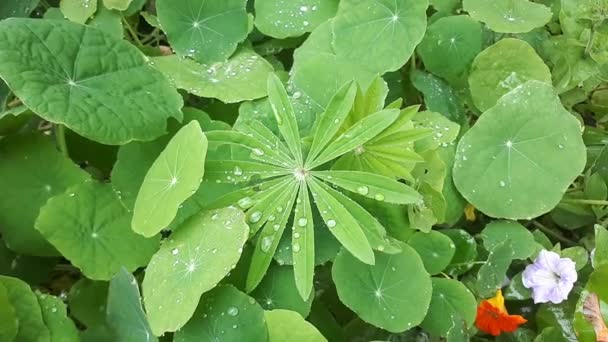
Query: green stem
{"points": [[132, 32], [555, 234], [585, 201], [60, 138]]}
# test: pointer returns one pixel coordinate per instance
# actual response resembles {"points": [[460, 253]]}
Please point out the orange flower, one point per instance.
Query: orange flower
{"points": [[493, 318]]}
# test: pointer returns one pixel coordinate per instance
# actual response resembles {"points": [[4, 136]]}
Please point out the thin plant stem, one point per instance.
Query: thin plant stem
{"points": [[555, 234], [60, 138]]}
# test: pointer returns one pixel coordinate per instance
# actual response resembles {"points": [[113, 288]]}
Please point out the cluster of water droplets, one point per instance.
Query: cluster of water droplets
{"points": [[296, 19]]}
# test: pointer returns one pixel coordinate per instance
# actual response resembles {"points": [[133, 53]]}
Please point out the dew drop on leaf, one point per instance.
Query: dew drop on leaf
{"points": [[331, 223], [266, 243], [255, 216], [363, 190]]}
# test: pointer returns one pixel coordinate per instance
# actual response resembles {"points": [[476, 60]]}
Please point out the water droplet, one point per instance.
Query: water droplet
{"points": [[237, 171], [276, 227], [502, 184], [213, 251], [380, 248], [266, 243], [296, 235], [174, 251], [245, 202], [258, 152], [279, 209], [215, 216], [379, 197], [560, 146], [302, 222], [363, 190], [296, 247], [255, 216], [271, 217], [232, 311], [331, 223]]}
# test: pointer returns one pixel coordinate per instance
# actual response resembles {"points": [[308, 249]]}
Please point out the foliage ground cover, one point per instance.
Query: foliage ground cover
{"points": [[303, 170]]}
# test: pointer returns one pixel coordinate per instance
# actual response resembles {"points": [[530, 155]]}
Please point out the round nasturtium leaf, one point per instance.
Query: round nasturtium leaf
{"points": [[240, 78], [394, 294], [207, 31], [90, 227], [54, 314], [509, 16], [31, 325], [451, 299], [435, 249], [87, 302], [466, 251], [199, 254], [32, 170], [450, 45], [503, 67], [175, 176], [522, 240], [285, 325], [225, 314], [278, 291], [9, 324], [511, 163], [380, 34], [99, 86], [286, 18], [78, 11]]}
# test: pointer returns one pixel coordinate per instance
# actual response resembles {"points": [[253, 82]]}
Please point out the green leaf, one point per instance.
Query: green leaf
{"points": [[17, 8], [597, 282], [173, 178], [278, 291], [239, 171], [26, 186], [120, 5], [285, 116], [125, 314], [450, 300], [269, 237], [492, 273], [97, 237], [392, 27], [87, 302], [208, 31], [503, 67], [516, 289], [114, 102], [330, 121], [522, 241], [195, 258], [280, 19], [31, 323], [394, 294], [510, 164], [259, 150], [78, 11], [509, 16], [435, 249], [357, 135], [9, 323], [285, 325], [242, 77], [343, 225], [450, 45], [54, 314], [442, 130], [439, 97], [370, 185], [600, 256], [577, 254], [225, 313], [466, 251], [303, 239], [109, 21]]}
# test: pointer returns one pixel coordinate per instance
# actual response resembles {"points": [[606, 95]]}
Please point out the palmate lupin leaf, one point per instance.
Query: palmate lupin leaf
{"points": [[286, 176]]}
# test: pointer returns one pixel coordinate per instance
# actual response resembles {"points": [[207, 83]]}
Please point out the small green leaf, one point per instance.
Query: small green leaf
{"points": [[173, 178], [450, 300], [503, 67], [435, 249], [87, 302], [242, 77], [225, 313], [113, 102], [120, 5], [510, 164], [280, 19], [259, 150], [285, 325], [394, 294], [278, 291], [9, 323], [55, 316], [600, 256], [29, 315], [370, 185], [492, 273], [78, 11], [439, 96], [597, 282], [109, 21], [516, 289], [195, 258], [303, 243], [341, 222], [577, 254], [97, 237], [26, 186], [125, 314], [285, 116], [509, 16], [208, 31], [466, 251], [522, 241], [441, 130]]}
